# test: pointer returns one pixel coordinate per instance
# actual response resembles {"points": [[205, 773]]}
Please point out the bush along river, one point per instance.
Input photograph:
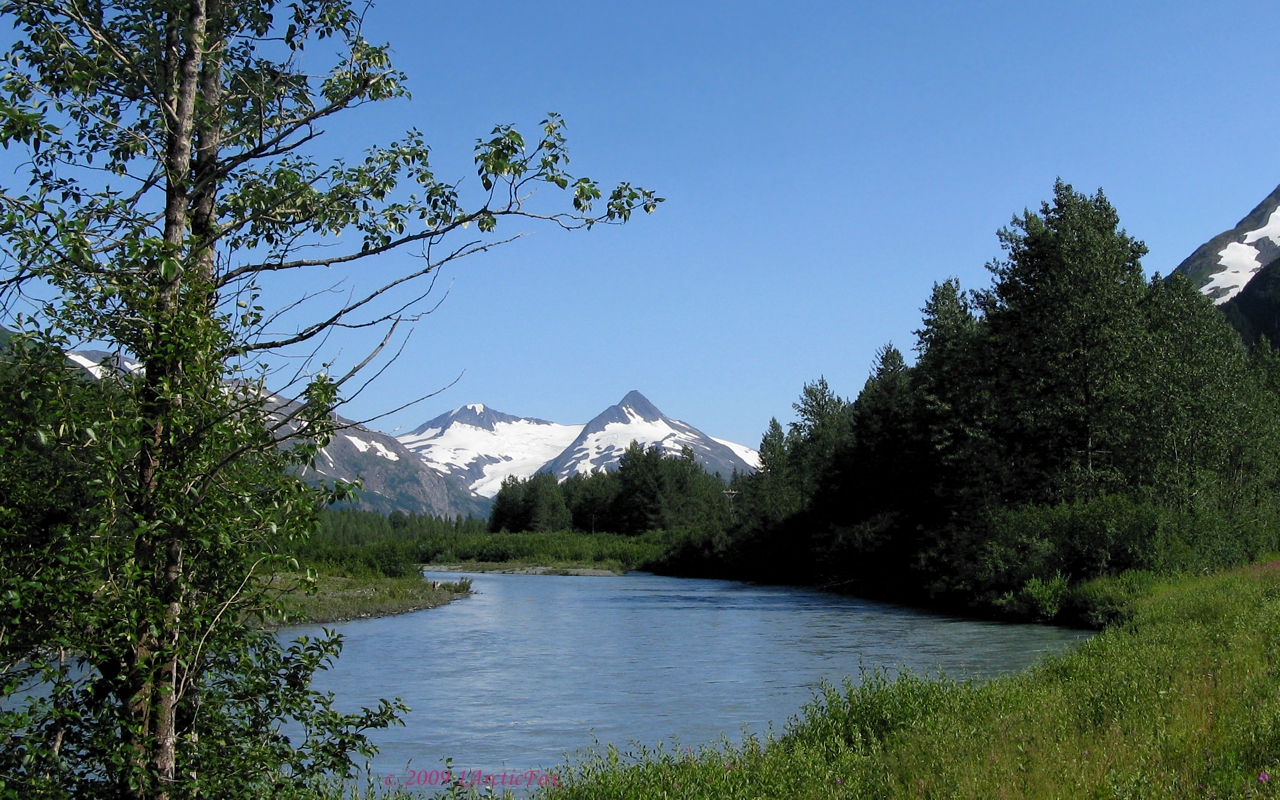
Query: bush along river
{"points": [[533, 667]]}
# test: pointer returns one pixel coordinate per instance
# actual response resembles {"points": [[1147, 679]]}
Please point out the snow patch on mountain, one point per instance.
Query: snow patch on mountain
{"points": [[483, 447], [601, 449], [1241, 260], [95, 369], [750, 457], [604, 439], [379, 449]]}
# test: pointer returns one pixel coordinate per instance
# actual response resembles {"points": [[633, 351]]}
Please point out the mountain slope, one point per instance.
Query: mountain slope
{"points": [[604, 439], [393, 478], [1222, 266], [479, 447], [1255, 310]]}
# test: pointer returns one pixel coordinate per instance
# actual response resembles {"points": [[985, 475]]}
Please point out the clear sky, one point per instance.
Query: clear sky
{"points": [[823, 163]]}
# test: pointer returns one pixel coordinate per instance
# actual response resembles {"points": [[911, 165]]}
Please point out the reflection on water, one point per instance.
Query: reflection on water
{"points": [[532, 666]]}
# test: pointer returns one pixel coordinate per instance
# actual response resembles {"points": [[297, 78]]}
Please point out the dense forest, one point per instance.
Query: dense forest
{"points": [[1074, 419], [647, 492], [365, 544]]}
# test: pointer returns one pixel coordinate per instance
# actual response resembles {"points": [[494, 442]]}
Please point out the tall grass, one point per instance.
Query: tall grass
{"points": [[1182, 700]]}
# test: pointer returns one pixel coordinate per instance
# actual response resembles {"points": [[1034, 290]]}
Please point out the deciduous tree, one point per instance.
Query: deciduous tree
{"points": [[166, 179]]}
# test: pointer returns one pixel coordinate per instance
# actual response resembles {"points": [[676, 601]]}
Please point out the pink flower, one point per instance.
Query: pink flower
{"points": [[1263, 777]]}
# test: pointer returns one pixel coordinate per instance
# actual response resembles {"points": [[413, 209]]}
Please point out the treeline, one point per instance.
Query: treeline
{"points": [[1070, 421], [647, 492], [355, 543]]}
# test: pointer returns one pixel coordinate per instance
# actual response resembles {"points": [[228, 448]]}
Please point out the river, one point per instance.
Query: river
{"points": [[531, 667]]}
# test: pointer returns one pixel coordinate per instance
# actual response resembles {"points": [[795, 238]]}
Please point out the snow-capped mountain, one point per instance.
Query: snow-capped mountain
{"points": [[393, 478], [604, 439], [480, 446], [1222, 266]]}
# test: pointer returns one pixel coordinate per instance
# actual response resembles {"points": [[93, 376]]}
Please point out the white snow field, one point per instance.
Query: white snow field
{"points": [[517, 448]]}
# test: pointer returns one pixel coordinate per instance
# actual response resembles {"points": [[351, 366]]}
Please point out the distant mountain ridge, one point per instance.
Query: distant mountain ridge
{"points": [[393, 479], [482, 446], [455, 463]]}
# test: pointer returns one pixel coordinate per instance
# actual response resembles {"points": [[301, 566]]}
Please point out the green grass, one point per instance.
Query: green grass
{"points": [[1180, 699], [342, 598], [534, 566]]}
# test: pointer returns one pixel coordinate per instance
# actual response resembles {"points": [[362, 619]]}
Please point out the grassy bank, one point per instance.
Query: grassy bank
{"points": [[549, 567], [350, 545], [338, 598], [1181, 699]]}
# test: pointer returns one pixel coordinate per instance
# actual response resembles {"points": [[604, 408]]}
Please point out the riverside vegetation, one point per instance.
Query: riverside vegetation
{"points": [[1072, 421], [1176, 699], [353, 543], [364, 564]]}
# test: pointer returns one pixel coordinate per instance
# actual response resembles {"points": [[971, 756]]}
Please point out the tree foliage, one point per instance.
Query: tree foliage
{"points": [[1073, 419], [165, 180], [649, 491]]}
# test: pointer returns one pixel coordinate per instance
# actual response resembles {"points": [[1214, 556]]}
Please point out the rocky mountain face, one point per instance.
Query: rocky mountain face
{"points": [[394, 479], [483, 447], [1240, 270], [1223, 266]]}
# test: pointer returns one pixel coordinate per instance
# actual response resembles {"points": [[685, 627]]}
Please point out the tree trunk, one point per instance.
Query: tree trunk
{"points": [[153, 706]]}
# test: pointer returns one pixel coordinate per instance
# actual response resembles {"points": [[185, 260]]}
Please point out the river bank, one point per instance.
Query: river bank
{"points": [[338, 599], [531, 666], [1177, 700], [578, 568]]}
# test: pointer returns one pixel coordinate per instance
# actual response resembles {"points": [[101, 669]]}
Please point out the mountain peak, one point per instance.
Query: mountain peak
{"points": [[604, 439], [640, 405], [481, 446], [476, 415]]}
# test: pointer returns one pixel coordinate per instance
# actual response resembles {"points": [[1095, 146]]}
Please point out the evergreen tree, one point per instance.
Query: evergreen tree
{"points": [[590, 500], [770, 494], [1064, 341], [953, 405], [824, 424], [543, 508], [507, 513]]}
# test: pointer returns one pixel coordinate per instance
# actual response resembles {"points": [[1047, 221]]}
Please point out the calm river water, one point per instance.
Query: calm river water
{"points": [[531, 666]]}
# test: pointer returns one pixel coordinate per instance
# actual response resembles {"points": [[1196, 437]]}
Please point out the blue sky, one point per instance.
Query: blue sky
{"points": [[823, 163]]}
